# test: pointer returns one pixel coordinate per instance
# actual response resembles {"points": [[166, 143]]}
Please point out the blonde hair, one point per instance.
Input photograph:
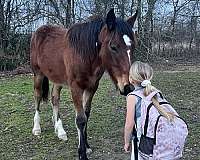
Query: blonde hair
{"points": [[139, 72]]}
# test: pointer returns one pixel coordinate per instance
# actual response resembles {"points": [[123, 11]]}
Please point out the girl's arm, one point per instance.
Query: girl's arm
{"points": [[130, 115]]}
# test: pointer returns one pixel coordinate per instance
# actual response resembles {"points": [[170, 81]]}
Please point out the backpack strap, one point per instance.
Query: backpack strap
{"points": [[147, 119], [134, 133], [149, 97], [152, 94], [135, 141], [155, 129], [136, 93]]}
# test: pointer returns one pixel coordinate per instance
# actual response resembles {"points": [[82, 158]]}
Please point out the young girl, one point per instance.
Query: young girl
{"points": [[140, 76]]}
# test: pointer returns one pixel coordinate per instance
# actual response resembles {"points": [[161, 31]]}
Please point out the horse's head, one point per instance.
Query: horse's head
{"points": [[117, 44]]}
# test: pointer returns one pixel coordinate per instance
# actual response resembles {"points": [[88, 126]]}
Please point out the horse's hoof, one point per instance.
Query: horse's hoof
{"points": [[36, 132], [85, 158], [88, 150], [63, 137]]}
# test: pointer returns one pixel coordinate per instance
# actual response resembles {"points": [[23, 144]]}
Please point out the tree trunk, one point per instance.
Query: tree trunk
{"points": [[146, 29], [68, 14], [2, 25], [72, 12]]}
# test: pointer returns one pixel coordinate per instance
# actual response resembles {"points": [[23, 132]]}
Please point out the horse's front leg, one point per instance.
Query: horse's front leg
{"points": [[59, 130], [81, 119], [87, 100]]}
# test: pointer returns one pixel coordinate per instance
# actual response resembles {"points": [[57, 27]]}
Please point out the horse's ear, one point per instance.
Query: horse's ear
{"points": [[131, 20], [111, 20]]}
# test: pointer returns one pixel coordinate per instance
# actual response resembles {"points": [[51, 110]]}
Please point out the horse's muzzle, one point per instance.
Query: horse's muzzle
{"points": [[127, 89]]}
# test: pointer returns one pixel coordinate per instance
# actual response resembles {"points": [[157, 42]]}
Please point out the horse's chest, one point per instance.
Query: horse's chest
{"points": [[88, 79]]}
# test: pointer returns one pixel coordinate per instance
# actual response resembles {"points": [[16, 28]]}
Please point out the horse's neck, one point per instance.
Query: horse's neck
{"points": [[98, 68]]}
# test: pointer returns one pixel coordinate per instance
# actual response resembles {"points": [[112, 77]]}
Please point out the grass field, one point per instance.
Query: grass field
{"points": [[106, 122]]}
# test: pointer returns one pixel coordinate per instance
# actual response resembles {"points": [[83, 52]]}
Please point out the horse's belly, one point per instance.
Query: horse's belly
{"points": [[55, 72], [57, 78]]}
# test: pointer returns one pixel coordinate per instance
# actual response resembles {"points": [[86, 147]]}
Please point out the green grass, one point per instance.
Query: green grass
{"points": [[106, 123]]}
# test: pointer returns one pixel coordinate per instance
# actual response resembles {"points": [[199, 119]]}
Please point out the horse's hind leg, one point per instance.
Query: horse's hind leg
{"points": [[38, 79], [59, 130]]}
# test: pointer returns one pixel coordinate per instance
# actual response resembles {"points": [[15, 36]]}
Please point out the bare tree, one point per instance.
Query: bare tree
{"points": [[166, 29], [145, 24]]}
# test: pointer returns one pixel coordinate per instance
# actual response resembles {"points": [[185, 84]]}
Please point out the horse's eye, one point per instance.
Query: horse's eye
{"points": [[113, 48]]}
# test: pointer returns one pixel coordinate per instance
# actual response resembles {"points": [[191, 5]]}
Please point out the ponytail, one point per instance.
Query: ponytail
{"points": [[162, 111], [147, 90]]}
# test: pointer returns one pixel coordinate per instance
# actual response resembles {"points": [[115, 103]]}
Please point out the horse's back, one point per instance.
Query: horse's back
{"points": [[48, 45], [47, 32]]}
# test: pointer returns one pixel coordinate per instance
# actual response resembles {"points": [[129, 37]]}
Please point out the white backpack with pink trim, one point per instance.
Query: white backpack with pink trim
{"points": [[160, 138]]}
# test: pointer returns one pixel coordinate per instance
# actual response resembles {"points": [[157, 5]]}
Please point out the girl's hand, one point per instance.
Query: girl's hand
{"points": [[127, 147]]}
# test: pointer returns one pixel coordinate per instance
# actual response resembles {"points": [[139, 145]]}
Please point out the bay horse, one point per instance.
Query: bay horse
{"points": [[78, 57]]}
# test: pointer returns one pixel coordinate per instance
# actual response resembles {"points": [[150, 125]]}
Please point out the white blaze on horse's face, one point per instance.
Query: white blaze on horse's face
{"points": [[127, 41], [129, 57]]}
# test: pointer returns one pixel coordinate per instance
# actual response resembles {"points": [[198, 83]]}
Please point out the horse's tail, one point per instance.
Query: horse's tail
{"points": [[45, 89]]}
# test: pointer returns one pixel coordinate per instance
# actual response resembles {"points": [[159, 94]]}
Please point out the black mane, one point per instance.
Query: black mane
{"points": [[83, 37]]}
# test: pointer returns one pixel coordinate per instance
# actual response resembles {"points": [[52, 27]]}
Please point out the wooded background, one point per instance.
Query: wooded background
{"points": [[167, 30]]}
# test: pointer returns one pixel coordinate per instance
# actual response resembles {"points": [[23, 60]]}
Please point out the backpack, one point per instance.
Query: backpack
{"points": [[160, 138]]}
